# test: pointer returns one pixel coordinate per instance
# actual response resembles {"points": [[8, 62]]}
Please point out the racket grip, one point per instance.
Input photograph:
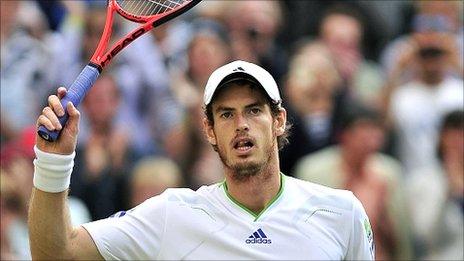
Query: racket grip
{"points": [[75, 94]]}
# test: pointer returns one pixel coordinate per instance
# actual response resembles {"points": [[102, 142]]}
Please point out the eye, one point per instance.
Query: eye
{"points": [[226, 115], [255, 111]]}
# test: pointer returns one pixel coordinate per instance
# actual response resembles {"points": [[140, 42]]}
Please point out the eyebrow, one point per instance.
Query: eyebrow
{"points": [[225, 108]]}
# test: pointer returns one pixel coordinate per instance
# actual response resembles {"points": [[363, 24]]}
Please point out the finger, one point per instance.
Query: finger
{"points": [[44, 121], [47, 112], [61, 92], [74, 115], [54, 102]]}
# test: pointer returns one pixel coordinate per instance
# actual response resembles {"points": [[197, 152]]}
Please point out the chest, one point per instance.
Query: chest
{"points": [[422, 107], [298, 237]]}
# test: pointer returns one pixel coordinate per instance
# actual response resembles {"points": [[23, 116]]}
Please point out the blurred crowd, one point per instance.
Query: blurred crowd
{"points": [[373, 89]]}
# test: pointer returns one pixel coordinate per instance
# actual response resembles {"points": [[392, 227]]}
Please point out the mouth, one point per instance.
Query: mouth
{"points": [[243, 145]]}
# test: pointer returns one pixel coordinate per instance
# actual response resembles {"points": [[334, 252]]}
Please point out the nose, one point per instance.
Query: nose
{"points": [[241, 123]]}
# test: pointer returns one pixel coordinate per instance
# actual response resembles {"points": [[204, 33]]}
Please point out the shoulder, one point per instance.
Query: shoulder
{"points": [[452, 87], [326, 154], [408, 95], [319, 162], [183, 200], [321, 195], [426, 182], [453, 81], [172, 197], [385, 160], [338, 211], [408, 88], [321, 167], [387, 167], [371, 68]]}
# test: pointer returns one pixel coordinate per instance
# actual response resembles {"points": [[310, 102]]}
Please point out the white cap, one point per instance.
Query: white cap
{"points": [[243, 70]]}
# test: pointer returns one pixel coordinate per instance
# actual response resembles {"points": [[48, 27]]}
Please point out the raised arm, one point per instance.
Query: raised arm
{"points": [[51, 234]]}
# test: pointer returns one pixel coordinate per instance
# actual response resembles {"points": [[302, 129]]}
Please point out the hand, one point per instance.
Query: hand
{"points": [[407, 55], [348, 61], [66, 142]]}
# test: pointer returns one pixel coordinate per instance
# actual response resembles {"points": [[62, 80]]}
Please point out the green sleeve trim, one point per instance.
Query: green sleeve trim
{"points": [[274, 199]]}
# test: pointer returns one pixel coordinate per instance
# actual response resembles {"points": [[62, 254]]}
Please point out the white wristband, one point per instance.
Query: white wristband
{"points": [[52, 172]]}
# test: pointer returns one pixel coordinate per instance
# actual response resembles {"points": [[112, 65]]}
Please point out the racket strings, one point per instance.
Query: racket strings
{"points": [[149, 7]]}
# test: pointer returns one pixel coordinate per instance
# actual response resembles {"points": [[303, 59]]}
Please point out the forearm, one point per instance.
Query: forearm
{"points": [[50, 230], [49, 220], [391, 84]]}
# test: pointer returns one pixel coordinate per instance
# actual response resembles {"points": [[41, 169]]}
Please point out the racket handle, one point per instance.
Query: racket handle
{"points": [[75, 94]]}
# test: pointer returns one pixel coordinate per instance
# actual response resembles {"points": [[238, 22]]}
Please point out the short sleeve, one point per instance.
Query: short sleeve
{"points": [[361, 245], [133, 235]]}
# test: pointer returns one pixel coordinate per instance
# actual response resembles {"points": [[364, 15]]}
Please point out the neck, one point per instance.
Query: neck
{"points": [[354, 163], [103, 129], [256, 192], [453, 162], [454, 167], [432, 79]]}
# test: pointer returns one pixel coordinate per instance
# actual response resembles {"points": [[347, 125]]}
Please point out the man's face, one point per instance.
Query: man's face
{"points": [[244, 130], [342, 34], [433, 68], [102, 102], [364, 137]]}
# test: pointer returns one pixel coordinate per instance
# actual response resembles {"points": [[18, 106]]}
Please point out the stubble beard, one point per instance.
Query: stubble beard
{"points": [[242, 172]]}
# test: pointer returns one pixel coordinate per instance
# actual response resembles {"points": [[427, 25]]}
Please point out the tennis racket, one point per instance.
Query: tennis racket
{"points": [[149, 13]]}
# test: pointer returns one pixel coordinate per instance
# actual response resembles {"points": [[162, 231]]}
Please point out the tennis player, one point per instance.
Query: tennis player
{"points": [[255, 213]]}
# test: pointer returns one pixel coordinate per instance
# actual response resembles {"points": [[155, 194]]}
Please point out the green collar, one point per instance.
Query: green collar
{"points": [[274, 199]]}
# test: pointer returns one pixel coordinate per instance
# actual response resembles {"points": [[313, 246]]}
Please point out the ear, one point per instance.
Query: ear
{"points": [[280, 122], [209, 132]]}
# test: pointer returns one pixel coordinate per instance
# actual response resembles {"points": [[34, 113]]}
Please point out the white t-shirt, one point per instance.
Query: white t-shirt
{"points": [[304, 221], [417, 111]]}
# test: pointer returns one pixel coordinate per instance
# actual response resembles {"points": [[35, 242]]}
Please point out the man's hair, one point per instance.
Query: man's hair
{"points": [[453, 120], [282, 140], [355, 113]]}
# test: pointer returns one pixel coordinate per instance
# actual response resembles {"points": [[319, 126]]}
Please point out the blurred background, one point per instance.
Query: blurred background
{"points": [[374, 90]]}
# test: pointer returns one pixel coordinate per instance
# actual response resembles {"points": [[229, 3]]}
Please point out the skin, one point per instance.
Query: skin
{"points": [[241, 112], [452, 140], [343, 35], [51, 234]]}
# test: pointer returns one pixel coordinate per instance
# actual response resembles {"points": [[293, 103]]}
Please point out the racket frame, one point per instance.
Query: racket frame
{"points": [[100, 58]]}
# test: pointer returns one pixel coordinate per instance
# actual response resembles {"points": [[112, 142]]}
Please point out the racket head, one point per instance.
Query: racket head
{"points": [[143, 11]]}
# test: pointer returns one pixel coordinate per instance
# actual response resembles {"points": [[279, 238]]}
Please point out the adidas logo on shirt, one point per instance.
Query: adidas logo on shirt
{"points": [[258, 237]]}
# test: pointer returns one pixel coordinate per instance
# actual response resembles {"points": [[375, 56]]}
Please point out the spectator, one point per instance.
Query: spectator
{"points": [[103, 161], [416, 107], [151, 176], [374, 178], [311, 84], [254, 34], [341, 29], [302, 19], [433, 19], [436, 196], [24, 60]]}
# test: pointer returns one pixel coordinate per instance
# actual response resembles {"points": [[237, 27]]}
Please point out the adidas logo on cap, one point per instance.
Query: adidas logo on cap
{"points": [[258, 237]]}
